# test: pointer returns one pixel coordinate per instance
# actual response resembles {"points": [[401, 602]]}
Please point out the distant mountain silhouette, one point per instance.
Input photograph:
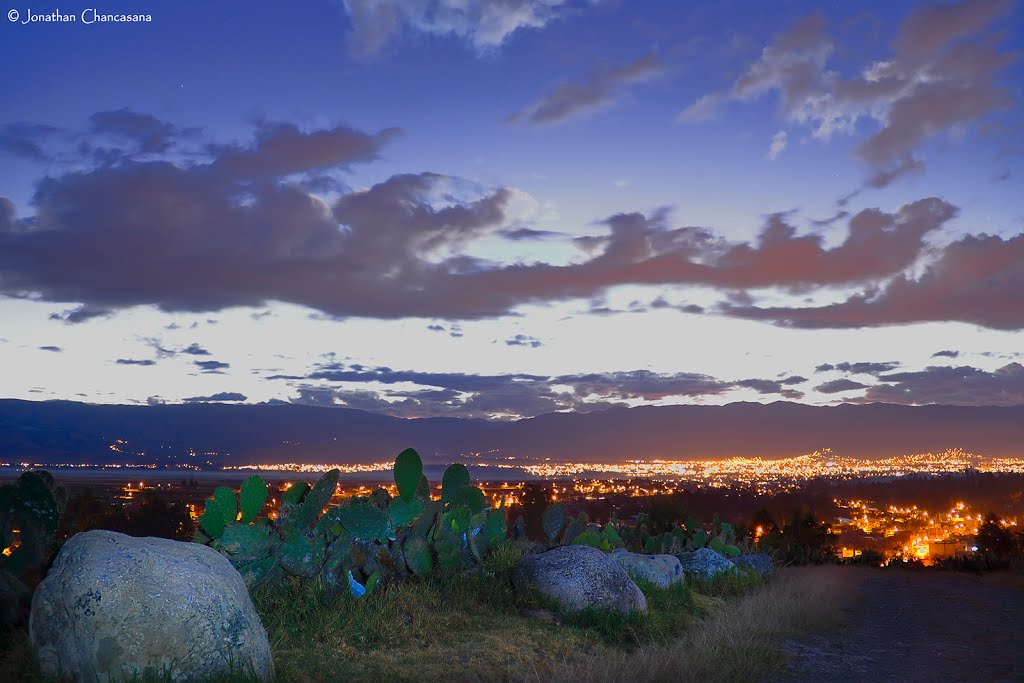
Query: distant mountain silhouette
{"points": [[64, 431]]}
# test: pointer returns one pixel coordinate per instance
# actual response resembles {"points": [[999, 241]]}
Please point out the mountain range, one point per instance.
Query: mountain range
{"points": [[67, 432]]}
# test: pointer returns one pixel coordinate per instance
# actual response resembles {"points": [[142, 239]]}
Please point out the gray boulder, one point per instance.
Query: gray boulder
{"points": [[578, 576], [761, 563], [705, 562], [113, 606], [661, 570]]}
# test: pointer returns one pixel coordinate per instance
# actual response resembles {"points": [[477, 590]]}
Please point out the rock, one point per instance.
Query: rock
{"points": [[661, 570], [113, 606], [705, 562], [578, 576], [761, 563]]}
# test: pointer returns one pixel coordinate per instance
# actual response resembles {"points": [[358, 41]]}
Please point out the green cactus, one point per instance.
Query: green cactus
{"points": [[402, 512], [575, 527], [364, 521], [408, 472], [456, 478], [472, 497], [212, 519], [417, 556], [423, 490], [245, 542], [316, 500], [227, 503], [252, 496], [611, 535], [553, 521], [376, 538], [590, 538], [294, 494]]}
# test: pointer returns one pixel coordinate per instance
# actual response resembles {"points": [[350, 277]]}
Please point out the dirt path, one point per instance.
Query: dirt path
{"points": [[920, 626]]}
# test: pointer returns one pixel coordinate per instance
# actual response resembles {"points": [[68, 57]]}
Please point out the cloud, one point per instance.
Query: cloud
{"points": [[27, 140], [195, 350], [771, 386], [282, 149], [506, 396], [960, 385], [777, 146], [246, 232], [133, 361], [942, 74], [211, 366], [54, 349], [839, 385], [945, 354], [523, 340], [483, 24], [977, 279], [602, 89], [79, 314], [149, 133], [860, 368], [222, 396]]}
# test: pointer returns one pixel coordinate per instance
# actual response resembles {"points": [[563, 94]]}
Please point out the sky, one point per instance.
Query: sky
{"points": [[503, 208]]}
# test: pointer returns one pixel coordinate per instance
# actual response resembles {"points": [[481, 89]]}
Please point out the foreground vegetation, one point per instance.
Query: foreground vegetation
{"points": [[476, 628]]}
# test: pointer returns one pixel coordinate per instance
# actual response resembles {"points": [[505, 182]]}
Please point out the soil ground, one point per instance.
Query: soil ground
{"points": [[920, 626]]}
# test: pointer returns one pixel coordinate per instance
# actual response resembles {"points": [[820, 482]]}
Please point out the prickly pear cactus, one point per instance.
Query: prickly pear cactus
{"points": [[553, 521], [32, 505], [361, 543]]}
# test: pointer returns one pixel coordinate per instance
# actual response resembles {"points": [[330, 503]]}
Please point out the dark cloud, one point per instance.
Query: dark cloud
{"points": [[953, 386], [839, 385], [945, 354], [519, 234], [602, 89], [149, 133], [859, 368], [770, 386], [483, 24], [26, 140], [55, 349], [507, 396], [222, 396], [282, 149], [133, 361], [211, 366], [194, 349], [977, 279], [79, 314], [942, 74], [126, 234], [523, 340]]}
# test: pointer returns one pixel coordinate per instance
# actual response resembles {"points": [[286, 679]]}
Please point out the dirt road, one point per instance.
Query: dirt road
{"points": [[921, 626]]}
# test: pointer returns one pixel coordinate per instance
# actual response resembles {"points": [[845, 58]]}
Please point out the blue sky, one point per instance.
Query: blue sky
{"points": [[500, 208]]}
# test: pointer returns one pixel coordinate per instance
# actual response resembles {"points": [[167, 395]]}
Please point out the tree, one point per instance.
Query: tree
{"points": [[997, 544]]}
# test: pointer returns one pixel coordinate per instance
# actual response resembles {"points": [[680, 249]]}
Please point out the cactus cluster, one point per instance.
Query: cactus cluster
{"points": [[560, 529], [361, 542], [719, 536], [30, 510]]}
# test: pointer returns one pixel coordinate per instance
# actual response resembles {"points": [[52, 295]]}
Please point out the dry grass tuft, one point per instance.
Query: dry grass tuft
{"points": [[738, 641]]}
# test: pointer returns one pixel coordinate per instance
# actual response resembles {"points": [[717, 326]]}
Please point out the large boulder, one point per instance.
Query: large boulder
{"points": [[661, 570], [761, 563], [705, 562], [113, 606], [578, 576]]}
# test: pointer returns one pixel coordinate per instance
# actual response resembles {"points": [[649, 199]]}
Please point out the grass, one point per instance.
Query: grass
{"points": [[476, 627], [473, 627], [738, 642]]}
